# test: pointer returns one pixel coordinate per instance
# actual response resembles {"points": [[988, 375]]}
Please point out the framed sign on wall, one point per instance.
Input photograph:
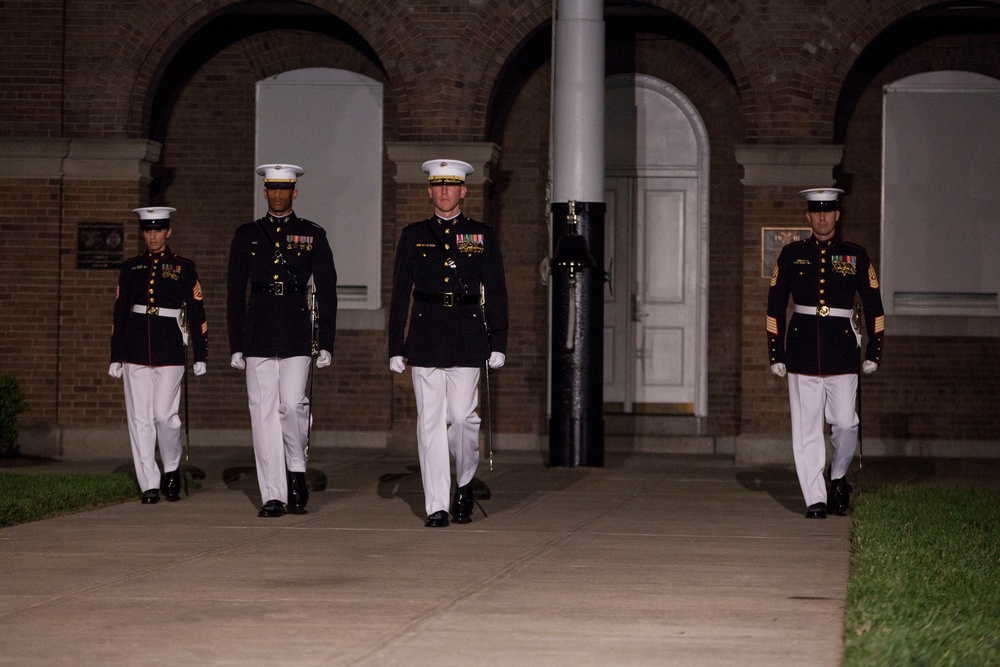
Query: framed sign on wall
{"points": [[772, 240]]}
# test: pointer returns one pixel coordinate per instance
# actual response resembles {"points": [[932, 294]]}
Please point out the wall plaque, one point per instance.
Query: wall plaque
{"points": [[100, 245], [772, 240]]}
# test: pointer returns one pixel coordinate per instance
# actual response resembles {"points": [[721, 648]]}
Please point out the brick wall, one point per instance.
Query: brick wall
{"points": [[755, 74], [87, 396], [31, 55], [29, 292]]}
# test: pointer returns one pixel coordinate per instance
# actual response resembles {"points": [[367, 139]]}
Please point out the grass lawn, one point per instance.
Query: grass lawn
{"points": [[26, 498], [924, 586]]}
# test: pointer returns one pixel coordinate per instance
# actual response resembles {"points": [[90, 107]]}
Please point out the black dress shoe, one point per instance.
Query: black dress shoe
{"points": [[272, 508], [816, 511], [150, 497], [840, 496], [438, 519], [461, 511], [172, 486], [298, 492]]}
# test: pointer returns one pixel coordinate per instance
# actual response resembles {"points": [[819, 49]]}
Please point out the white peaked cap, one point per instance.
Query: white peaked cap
{"points": [[447, 171]]}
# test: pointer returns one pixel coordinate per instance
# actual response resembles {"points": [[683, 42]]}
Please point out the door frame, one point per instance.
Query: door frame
{"points": [[700, 171]]}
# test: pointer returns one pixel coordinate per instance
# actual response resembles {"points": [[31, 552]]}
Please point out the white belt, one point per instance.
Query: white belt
{"points": [[156, 310], [823, 311]]}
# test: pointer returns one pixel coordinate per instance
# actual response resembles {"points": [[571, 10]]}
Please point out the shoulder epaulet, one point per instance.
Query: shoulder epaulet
{"points": [[854, 245]]}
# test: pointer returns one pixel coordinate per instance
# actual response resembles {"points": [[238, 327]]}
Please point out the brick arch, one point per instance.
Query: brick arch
{"points": [[129, 88], [888, 40], [790, 71], [747, 47], [809, 90], [825, 50], [510, 32]]}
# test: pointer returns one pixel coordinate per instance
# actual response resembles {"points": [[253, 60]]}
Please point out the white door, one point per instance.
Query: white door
{"points": [[656, 233], [665, 297]]}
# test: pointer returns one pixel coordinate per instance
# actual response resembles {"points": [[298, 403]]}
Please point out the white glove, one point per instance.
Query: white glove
{"points": [[397, 365], [496, 360], [778, 369], [869, 367], [237, 361], [323, 359], [115, 370], [200, 368]]}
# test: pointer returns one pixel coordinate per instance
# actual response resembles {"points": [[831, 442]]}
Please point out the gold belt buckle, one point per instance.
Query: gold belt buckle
{"points": [[152, 310], [279, 289], [823, 311], [449, 299]]}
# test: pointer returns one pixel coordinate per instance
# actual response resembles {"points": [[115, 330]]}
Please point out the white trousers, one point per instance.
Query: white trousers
{"points": [[447, 423], [152, 396], [814, 399], [279, 420]]}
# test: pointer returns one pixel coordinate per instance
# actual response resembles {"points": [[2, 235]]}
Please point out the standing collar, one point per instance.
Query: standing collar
{"points": [[824, 244], [270, 217]]}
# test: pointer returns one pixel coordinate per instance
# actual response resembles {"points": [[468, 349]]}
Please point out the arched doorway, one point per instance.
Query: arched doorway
{"points": [[656, 242]]}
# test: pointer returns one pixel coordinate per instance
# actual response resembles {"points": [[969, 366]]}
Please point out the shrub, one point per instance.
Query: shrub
{"points": [[11, 405]]}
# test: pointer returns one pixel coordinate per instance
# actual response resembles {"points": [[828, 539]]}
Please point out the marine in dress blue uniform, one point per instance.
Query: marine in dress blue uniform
{"points": [[448, 279], [271, 263], [819, 347], [156, 291]]}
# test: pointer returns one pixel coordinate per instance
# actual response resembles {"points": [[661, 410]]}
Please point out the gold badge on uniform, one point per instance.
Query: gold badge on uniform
{"points": [[469, 243], [296, 242], [845, 265], [171, 271]]}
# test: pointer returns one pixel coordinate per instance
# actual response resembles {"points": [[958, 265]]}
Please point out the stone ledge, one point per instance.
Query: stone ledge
{"points": [[799, 166], [78, 159], [408, 157]]}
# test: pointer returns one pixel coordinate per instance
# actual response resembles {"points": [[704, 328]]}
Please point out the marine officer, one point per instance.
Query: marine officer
{"points": [[450, 269], [158, 309], [819, 347], [274, 334]]}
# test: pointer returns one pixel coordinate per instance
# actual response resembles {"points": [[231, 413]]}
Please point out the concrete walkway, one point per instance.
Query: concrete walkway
{"points": [[651, 560]]}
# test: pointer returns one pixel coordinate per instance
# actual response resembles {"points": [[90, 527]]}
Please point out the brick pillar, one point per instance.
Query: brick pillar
{"points": [[413, 204], [772, 178]]}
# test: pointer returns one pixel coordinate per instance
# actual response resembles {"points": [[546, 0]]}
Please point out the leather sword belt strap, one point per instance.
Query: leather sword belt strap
{"points": [[823, 311], [156, 310], [446, 299], [278, 289]]}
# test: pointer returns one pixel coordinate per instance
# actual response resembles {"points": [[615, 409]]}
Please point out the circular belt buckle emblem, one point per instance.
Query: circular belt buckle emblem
{"points": [[823, 311]]}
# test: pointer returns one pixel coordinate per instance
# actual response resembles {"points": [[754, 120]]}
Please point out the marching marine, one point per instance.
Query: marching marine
{"points": [[819, 349], [452, 269], [158, 307], [271, 334]]}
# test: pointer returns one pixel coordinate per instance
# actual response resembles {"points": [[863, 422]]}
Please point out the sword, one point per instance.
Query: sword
{"points": [[861, 423], [856, 323], [486, 365], [489, 418], [314, 352], [184, 337]]}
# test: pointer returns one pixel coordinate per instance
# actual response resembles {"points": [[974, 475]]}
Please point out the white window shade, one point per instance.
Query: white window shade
{"points": [[329, 122], [941, 195]]}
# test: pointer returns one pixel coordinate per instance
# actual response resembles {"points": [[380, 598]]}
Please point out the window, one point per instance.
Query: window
{"points": [[329, 122], [941, 201]]}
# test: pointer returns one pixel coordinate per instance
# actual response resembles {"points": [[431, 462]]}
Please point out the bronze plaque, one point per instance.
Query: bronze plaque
{"points": [[100, 245], [772, 240]]}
